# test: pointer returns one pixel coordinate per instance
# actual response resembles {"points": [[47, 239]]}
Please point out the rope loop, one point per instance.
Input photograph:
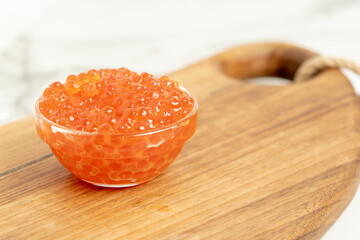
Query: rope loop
{"points": [[314, 65]]}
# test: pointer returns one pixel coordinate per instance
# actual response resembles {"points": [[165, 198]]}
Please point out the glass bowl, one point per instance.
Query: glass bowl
{"points": [[116, 160]]}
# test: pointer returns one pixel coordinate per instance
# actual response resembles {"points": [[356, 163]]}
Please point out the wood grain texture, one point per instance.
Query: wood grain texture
{"points": [[266, 162]]}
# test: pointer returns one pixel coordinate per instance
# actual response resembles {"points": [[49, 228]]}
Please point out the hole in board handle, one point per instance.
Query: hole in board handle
{"points": [[269, 81]]}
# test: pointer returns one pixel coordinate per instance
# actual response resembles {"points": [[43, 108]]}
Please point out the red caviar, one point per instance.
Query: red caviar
{"points": [[116, 127], [115, 100]]}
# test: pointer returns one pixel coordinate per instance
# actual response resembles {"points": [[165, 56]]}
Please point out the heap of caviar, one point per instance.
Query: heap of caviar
{"points": [[115, 101]]}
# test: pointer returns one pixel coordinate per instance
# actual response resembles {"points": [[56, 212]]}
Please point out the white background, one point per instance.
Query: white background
{"points": [[44, 41]]}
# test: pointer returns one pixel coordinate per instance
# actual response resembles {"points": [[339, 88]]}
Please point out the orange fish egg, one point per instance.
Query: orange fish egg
{"points": [[114, 127]]}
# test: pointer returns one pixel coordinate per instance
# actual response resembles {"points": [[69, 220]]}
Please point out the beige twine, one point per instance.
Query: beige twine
{"points": [[315, 64]]}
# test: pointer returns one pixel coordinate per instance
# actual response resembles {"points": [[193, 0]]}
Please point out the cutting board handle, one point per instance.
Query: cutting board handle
{"points": [[263, 59]]}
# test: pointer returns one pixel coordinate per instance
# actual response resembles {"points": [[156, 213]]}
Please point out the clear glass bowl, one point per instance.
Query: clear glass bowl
{"points": [[116, 160]]}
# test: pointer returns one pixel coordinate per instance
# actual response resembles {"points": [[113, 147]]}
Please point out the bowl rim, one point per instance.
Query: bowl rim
{"points": [[59, 128]]}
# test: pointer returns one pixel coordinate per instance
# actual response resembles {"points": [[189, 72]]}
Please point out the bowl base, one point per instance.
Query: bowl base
{"points": [[112, 185]]}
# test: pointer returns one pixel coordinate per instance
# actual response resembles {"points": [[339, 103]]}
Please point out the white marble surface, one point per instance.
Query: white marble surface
{"points": [[44, 41]]}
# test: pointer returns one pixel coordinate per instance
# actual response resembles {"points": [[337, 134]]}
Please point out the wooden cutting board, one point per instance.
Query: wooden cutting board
{"points": [[266, 162]]}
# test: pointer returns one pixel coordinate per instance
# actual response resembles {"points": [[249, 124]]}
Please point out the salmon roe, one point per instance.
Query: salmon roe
{"points": [[114, 127], [115, 100]]}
